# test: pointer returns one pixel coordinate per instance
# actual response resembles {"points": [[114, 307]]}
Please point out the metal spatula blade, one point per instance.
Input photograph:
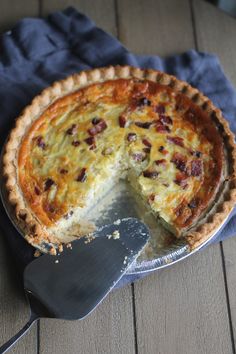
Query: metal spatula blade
{"points": [[71, 285]]}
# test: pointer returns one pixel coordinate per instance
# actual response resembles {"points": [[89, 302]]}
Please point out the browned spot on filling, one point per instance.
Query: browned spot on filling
{"points": [[82, 175]]}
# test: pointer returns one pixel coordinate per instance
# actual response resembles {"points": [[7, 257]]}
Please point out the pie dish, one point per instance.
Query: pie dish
{"points": [[82, 134]]}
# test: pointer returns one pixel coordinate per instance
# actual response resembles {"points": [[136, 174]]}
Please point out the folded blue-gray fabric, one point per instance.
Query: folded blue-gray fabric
{"points": [[37, 52]]}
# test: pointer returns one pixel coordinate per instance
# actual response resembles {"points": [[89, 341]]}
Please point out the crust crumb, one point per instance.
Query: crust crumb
{"points": [[53, 251], [89, 238], [60, 248], [37, 254], [115, 235]]}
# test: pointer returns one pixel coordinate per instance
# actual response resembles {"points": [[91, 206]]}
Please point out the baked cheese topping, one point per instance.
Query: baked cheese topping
{"points": [[168, 148]]}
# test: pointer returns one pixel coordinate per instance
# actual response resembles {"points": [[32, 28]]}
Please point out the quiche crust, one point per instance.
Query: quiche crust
{"points": [[32, 219]]}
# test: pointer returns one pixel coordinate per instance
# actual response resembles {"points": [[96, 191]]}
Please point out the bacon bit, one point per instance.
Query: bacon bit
{"points": [[147, 150], [40, 142], [196, 153], [196, 168], [160, 109], [132, 137], [165, 119], [102, 125], [180, 161], [92, 131], [82, 175], [190, 114], [183, 213], [144, 125], [90, 140], [122, 121], [176, 140], [51, 208], [143, 102], [98, 128], [48, 183], [150, 174], [193, 203], [95, 120], [160, 128], [163, 150], [151, 197], [75, 143], [68, 215], [181, 180], [72, 130], [160, 162], [147, 143], [22, 216], [37, 190], [63, 171], [138, 156], [179, 210]]}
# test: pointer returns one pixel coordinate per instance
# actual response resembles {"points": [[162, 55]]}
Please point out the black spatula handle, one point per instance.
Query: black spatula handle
{"points": [[5, 347]]}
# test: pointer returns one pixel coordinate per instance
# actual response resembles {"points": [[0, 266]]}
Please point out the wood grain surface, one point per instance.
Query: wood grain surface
{"points": [[14, 311], [155, 27], [217, 36], [109, 329], [12, 11], [102, 12], [229, 254], [183, 309], [215, 32], [189, 308]]}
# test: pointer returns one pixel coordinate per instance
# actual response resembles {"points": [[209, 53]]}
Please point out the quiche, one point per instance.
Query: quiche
{"points": [[82, 134]]}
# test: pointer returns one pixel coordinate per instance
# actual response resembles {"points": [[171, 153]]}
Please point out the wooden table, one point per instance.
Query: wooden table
{"points": [[187, 308]]}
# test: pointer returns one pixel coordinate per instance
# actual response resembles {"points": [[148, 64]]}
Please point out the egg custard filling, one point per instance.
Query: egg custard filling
{"points": [[166, 146]]}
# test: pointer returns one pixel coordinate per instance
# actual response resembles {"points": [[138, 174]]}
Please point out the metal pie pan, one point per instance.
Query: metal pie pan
{"points": [[163, 249]]}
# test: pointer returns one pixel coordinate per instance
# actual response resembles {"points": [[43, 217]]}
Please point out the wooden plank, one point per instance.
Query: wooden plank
{"points": [[14, 311], [13, 10], [109, 329], [100, 11], [182, 309], [229, 251], [216, 33], [155, 27]]}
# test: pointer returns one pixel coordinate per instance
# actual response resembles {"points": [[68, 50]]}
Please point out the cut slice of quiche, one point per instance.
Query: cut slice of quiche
{"points": [[83, 134]]}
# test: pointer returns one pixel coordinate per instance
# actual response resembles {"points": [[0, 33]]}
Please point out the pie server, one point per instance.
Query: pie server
{"points": [[70, 285]]}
